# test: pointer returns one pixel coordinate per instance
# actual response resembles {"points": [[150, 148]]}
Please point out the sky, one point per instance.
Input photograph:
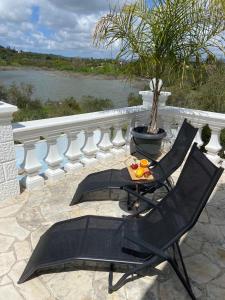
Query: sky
{"points": [[62, 27]]}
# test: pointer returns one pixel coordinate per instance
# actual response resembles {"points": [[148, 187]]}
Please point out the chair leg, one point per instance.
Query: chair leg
{"points": [[127, 277], [182, 263], [184, 279], [129, 204], [115, 287]]}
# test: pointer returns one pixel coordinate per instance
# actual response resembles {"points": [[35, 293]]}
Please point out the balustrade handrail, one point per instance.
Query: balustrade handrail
{"points": [[195, 115], [36, 128]]}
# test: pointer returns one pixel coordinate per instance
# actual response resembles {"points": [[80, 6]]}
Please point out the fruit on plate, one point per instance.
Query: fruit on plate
{"points": [[134, 165], [147, 174], [139, 172], [144, 163]]}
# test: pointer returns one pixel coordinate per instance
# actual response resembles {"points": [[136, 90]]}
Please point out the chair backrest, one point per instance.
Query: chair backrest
{"points": [[179, 210], [181, 207], [174, 158]]}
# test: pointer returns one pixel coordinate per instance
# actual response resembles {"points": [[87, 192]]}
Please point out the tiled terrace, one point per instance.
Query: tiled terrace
{"points": [[24, 218]]}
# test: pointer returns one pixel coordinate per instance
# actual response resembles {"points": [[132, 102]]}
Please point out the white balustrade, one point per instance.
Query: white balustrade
{"points": [[105, 144], [167, 125], [31, 166], [73, 152], [128, 135], [118, 140], [198, 137], [90, 148], [85, 149], [214, 146], [199, 119], [53, 159]]}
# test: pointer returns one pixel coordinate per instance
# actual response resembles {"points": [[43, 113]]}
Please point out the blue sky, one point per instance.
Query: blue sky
{"points": [[53, 26]]}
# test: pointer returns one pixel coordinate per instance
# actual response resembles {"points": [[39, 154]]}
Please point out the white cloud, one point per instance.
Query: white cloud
{"points": [[65, 26]]}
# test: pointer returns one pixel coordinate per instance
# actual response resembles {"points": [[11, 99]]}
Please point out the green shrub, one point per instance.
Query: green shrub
{"points": [[134, 100], [91, 104]]}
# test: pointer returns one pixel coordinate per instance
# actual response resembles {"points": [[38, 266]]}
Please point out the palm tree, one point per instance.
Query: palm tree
{"points": [[166, 35]]}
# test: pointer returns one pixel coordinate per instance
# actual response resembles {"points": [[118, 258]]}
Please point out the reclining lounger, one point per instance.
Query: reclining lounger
{"points": [[132, 245], [116, 179]]}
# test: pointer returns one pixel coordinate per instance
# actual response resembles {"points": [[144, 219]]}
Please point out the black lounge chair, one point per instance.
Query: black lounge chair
{"points": [[92, 187], [134, 245]]}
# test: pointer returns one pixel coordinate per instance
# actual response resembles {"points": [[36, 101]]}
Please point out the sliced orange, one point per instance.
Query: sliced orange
{"points": [[144, 163]]}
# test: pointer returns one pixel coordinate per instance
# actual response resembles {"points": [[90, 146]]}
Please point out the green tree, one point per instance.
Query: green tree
{"points": [[172, 35]]}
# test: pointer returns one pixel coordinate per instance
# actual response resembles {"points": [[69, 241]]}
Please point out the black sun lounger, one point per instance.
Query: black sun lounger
{"points": [[108, 180], [132, 245]]}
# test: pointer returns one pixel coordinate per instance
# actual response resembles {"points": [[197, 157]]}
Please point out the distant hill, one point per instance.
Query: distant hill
{"points": [[14, 58]]}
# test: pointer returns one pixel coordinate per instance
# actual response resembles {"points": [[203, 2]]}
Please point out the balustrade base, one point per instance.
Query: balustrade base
{"points": [[32, 182], [73, 167], [223, 164], [54, 175], [89, 161], [119, 153], [103, 156], [214, 158], [127, 149]]}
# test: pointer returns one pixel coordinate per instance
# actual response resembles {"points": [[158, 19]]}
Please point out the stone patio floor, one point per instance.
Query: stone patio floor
{"points": [[24, 219]]}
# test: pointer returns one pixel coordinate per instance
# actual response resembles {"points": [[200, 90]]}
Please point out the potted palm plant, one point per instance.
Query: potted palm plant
{"points": [[164, 37]]}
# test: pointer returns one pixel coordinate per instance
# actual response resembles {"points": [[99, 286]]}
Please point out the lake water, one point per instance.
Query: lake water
{"points": [[59, 85]]}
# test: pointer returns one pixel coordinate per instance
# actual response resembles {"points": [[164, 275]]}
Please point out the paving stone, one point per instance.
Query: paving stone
{"points": [[186, 250], [204, 217], [215, 253], [35, 235], [201, 269], [215, 292], [5, 280], [32, 289], [10, 293], [6, 262], [100, 287], [9, 226], [216, 215], [218, 198], [222, 229], [172, 289], [72, 285], [23, 250], [143, 288], [194, 243], [10, 210], [207, 232], [220, 281], [5, 242], [30, 218]]}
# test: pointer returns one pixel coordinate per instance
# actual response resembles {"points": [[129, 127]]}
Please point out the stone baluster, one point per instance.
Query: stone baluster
{"points": [[167, 126], [118, 140], [214, 146], [73, 152], [53, 160], [128, 135], [198, 137], [90, 148], [105, 143], [31, 166]]}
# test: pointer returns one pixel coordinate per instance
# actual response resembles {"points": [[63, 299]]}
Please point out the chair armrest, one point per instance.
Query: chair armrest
{"points": [[152, 203]]}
